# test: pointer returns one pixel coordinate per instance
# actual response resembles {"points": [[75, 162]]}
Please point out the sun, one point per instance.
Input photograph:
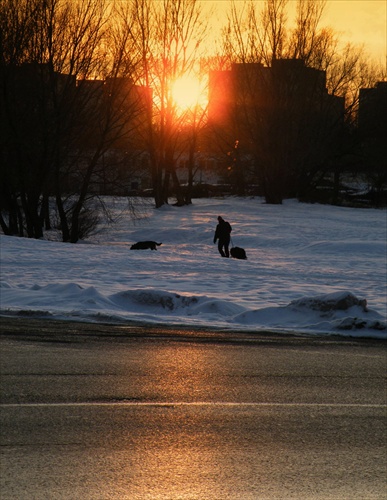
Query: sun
{"points": [[188, 92]]}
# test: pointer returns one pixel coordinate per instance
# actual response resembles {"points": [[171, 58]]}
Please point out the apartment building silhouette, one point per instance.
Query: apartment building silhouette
{"points": [[248, 93]]}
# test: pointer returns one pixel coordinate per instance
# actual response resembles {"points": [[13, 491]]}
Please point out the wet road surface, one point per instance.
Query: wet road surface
{"points": [[103, 412]]}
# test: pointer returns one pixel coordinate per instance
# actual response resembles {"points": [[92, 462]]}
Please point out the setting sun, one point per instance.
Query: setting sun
{"points": [[188, 92]]}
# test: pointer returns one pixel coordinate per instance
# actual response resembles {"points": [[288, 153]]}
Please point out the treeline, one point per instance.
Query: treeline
{"points": [[58, 123], [86, 100], [306, 132]]}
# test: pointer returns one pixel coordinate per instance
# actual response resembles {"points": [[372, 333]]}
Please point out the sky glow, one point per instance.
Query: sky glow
{"points": [[361, 22]]}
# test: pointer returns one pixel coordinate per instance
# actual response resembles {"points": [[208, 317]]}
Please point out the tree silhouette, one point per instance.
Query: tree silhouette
{"points": [[67, 100], [289, 117], [168, 35]]}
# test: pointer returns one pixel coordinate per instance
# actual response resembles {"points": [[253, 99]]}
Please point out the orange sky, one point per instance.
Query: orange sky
{"points": [[358, 21]]}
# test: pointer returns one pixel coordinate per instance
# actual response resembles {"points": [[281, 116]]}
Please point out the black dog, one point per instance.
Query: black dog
{"points": [[238, 253], [144, 245]]}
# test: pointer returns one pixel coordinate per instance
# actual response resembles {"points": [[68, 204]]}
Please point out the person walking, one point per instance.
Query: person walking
{"points": [[223, 235]]}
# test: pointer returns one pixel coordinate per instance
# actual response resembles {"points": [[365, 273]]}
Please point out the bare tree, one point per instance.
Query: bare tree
{"points": [[253, 36], [19, 169], [69, 101], [298, 132], [169, 35], [307, 41]]}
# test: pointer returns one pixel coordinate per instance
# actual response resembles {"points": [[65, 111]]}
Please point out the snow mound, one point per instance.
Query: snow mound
{"points": [[330, 305], [153, 298], [339, 301], [333, 313], [330, 313], [164, 302]]}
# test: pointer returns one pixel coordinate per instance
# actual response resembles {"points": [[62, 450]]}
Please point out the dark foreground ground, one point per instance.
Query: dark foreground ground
{"points": [[47, 330], [114, 412]]}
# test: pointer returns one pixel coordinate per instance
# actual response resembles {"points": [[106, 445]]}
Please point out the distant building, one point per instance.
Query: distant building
{"points": [[372, 117], [117, 112], [30, 89], [246, 91], [273, 124], [54, 120]]}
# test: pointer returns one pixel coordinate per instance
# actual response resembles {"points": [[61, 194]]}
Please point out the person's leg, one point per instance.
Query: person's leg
{"points": [[226, 244], [220, 248]]}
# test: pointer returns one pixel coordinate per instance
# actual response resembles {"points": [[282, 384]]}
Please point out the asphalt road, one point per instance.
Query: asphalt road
{"points": [[108, 412]]}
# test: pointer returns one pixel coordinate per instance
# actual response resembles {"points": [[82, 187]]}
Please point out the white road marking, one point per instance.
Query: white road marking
{"points": [[193, 403]]}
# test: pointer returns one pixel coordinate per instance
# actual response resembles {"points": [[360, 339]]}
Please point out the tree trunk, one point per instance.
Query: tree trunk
{"points": [[45, 212], [180, 200], [63, 219], [4, 226]]}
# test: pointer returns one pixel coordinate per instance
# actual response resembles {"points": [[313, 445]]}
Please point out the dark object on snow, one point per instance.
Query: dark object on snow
{"points": [[145, 245], [238, 253]]}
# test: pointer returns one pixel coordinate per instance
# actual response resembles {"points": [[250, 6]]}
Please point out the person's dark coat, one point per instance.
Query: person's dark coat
{"points": [[223, 234]]}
